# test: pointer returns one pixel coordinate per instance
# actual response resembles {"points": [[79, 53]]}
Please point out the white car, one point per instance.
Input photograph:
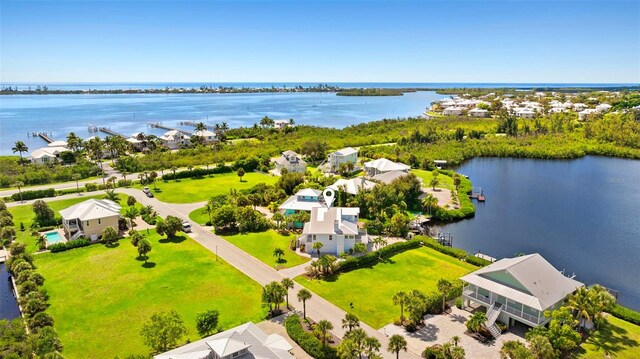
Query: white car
{"points": [[186, 227]]}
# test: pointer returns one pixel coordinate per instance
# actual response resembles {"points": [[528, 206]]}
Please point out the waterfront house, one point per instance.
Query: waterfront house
{"points": [[383, 165], [174, 139], [337, 228], [208, 137], [242, 342], [478, 112], [517, 289], [48, 154], [353, 185], [343, 156], [89, 218], [281, 124], [453, 111], [290, 161]]}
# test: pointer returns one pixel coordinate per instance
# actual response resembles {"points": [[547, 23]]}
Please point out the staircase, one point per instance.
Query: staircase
{"points": [[494, 330], [493, 313], [77, 235]]}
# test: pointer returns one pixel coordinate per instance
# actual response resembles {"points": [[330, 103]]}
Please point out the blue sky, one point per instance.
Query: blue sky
{"points": [[426, 41]]}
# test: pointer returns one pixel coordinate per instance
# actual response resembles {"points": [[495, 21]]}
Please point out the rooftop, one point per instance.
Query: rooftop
{"points": [[91, 209]]}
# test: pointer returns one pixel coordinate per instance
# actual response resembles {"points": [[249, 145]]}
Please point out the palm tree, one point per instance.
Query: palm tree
{"points": [[287, 283], [76, 177], [131, 213], [112, 195], [174, 169], [278, 253], [317, 246], [41, 241], [209, 208], [303, 296], [224, 127], [321, 330], [580, 303], [444, 286], [74, 142], [396, 344], [200, 126], [372, 346], [19, 184], [278, 217], [152, 177], [358, 337], [350, 322], [400, 299], [144, 247], [20, 147], [603, 301]]}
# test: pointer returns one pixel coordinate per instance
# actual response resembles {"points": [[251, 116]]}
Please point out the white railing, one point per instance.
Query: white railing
{"points": [[516, 312], [523, 315]]}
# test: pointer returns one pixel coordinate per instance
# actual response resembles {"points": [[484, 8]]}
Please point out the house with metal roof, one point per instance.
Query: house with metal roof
{"points": [[383, 165], [174, 139], [343, 156], [517, 289], [353, 185], [337, 228], [290, 161], [242, 342], [89, 218]]}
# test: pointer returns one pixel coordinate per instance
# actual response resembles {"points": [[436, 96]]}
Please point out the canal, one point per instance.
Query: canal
{"points": [[8, 304]]}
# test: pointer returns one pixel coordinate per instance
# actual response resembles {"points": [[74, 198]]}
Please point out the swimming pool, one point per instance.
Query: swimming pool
{"points": [[53, 237]]}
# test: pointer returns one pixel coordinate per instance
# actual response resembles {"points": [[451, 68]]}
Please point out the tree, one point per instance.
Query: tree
{"points": [[317, 246], [287, 283], [109, 235], [112, 195], [200, 126], [163, 331], [515, 349], [174, 169], [400, 298], [315, 150], [278, 253], [444, 287], [273, 294], [350, 322], [144, 247], [76, 177], [44, 215], [434, 179], [20, 147], [208, 209], [19, 184], [131, 213], [41, 242], [396, 344], [321, 331], [540, 347], [360, 248], [560, 331], [224, 217], [240, 173], [136, 237], [476, 321], [40, 320], [456, 180], [74, 142], [372, 347], [152, 177], [580, 303], [47, 342], [207, 322], [303, 296], [169, 227], [358, 338], [279, 218]]}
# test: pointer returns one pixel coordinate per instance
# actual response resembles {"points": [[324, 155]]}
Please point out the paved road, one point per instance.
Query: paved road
{"points": [[317, 307]]}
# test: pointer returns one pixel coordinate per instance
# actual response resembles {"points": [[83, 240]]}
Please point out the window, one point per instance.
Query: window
{"points": [[99, 222], [314, 237], [87, 223], [330, 237], [235, 354]]}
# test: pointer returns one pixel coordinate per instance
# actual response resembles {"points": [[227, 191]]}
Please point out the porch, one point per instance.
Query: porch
{"points": [[504, 306]]}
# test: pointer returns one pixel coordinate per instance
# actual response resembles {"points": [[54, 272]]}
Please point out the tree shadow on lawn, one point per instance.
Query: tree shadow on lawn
{"points": [[610, 340], [175, 239], [149, 265], [281, 261], [115, 244]]}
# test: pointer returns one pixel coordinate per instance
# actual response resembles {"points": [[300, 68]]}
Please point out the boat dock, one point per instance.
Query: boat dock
{"points": [[160, 125], [109, 131], [193, 124], [46, 136], [485, 257], [446, 239], [478, 193]]}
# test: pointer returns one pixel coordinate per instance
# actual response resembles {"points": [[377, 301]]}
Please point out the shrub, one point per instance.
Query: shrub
{"points": [[61, 247], [432, 243], [27, 195], [627, 314], [458, 303], [91, 187], [310, 344], [373, 258], [196, 172], [477, 261]]}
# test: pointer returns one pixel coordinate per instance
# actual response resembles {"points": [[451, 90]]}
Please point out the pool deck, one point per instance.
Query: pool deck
{"points": [[60, 233]]}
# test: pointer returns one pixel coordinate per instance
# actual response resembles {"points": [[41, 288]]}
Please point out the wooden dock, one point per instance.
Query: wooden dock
{"points": [[485, 257], [45, 136], [160, 125], [193, 124], [109, 131]]}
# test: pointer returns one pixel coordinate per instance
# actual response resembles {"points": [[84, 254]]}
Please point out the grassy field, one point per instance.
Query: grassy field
{"points": [[261, 246], [426, 176], [415, 269], [24, 214], [100, 296], [616, 339], [201, 189]]}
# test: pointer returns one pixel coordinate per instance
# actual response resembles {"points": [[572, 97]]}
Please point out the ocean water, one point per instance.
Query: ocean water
{"points": [[130, 113], [582, 215]]}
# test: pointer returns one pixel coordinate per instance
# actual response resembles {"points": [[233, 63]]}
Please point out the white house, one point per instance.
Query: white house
{"points": [[174, 139], [584, 114], [478, 112], [345, 155], [383, 165], [557, 110], [353, 185], [517, 289], [603, 107], [207, 136], [291, 161], [48, 154], [304, 200], [453, 111], [89, 218], [281, 124], [245, 341], [580, 106], [525, 113], [336, 228], [388, 177]]}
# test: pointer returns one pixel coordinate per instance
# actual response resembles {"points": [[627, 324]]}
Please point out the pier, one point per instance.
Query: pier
{"points": [[446, 239], [109, 131], [160, 125], [193, 124], [45, 136], [485, 257], [478, 193]]}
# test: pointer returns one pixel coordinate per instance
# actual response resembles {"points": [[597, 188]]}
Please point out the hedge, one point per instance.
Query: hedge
{"points": [[27, 195], [476, 261], [196, 172], [375, 257], [310, 344], [61, 247], [450, 251], [627, 314]]}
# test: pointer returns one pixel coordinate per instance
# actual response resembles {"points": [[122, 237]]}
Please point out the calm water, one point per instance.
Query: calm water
{"points": [[582, 215], [8, 304], [128, 114]]}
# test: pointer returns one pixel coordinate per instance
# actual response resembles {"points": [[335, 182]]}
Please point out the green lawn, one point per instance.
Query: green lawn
{"points": [[445, 181], [24, 214], [100, 297], [616, 339], [199, 216], [371, 289], [261, 246], [190, 190]]}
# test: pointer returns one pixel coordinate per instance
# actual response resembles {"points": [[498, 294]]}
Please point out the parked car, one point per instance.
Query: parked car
{"points": [[148, 192], [186, 227]]}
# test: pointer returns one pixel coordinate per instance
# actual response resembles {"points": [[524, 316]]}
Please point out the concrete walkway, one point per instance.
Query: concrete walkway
{"points": [[317, 307]]}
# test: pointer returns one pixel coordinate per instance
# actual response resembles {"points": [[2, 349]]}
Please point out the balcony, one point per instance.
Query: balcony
{"points": [[517, 314]]}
